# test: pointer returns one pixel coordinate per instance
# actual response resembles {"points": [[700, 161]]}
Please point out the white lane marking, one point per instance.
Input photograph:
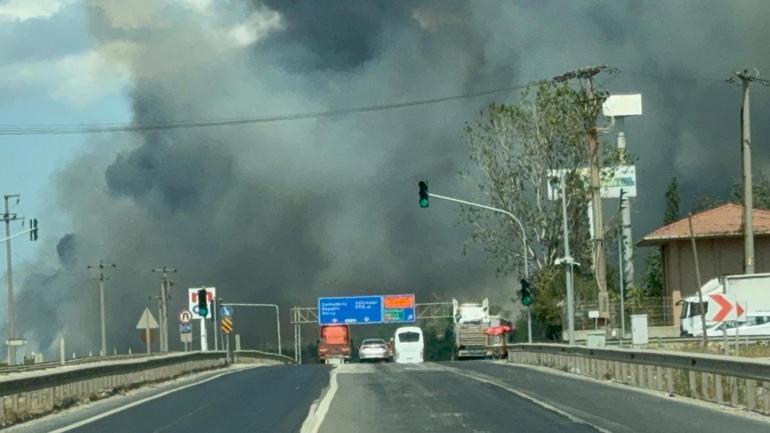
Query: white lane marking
{"points": [[318, 413], [137, 403], [540, 403]]}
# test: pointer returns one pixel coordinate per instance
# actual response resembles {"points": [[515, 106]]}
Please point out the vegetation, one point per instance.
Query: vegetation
{"points": [[518, 151]]}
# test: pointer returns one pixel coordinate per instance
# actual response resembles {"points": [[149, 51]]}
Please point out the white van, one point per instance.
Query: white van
{"points": [[409, 345]]}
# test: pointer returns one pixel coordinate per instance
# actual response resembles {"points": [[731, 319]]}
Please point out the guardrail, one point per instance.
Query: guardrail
{"points": [[257, 356], [77, 361], [740, 382], [33, 393]]}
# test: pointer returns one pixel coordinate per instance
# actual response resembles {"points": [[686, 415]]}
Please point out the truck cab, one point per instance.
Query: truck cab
{"points": [[334, 344]]}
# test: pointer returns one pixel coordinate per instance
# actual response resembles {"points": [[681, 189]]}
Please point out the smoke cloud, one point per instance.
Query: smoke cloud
{"points": [[286, 211]]}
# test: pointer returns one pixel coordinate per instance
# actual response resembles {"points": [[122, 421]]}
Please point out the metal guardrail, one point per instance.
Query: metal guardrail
{"points": [[667, 340], [62, 377], [745, 368], [726, 380], [264, 355], [77, 361]]}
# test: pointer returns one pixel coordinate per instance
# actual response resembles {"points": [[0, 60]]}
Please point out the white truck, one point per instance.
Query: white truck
{"points": [[472, 329], [752, 290]]}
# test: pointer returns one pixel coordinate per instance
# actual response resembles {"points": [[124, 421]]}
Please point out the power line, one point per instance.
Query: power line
{"points": [[40, 129]]}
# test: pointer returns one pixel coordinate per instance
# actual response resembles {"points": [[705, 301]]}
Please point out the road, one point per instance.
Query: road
{"points": [[265, 399], [383, 398], [489, 397]]}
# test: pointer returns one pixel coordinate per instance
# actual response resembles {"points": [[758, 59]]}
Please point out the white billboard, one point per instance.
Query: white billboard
{"points": [[192, 301]]}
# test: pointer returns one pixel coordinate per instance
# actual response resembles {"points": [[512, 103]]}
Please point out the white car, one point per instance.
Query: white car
{"points": [[374, 349]]}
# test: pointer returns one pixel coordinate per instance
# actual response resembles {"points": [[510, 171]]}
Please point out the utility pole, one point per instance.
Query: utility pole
{"points": [[165, 295], [592, 108], [8, 217], [746, 78], [570, 262], [101, 266]]}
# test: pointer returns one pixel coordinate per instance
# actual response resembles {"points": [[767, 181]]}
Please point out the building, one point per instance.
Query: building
{"points": [[719, 239]]}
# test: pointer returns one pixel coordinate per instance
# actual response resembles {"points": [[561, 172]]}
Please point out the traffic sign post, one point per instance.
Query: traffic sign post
{"points": [[226, 325], [348, 310], [185, 316], [147, 322], [398, 308], [367, 310], [226, 311]]}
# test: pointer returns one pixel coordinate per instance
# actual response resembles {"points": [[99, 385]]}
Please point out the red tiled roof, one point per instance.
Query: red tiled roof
{"points": [[722, 221]]}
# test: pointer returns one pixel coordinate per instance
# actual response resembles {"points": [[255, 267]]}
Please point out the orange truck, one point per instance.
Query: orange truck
{"points": [[334, 345]]}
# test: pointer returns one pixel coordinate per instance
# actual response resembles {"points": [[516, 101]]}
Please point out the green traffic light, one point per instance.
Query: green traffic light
{"points": [[424, 194], [203, 312], [526, 300]]}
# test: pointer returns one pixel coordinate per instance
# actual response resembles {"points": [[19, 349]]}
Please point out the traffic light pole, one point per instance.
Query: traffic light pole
{"points": [[523, 241]]}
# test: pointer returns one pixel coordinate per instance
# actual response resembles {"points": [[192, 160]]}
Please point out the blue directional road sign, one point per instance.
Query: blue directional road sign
{"points": [[360, 310], [226, 311], [185, 328]]}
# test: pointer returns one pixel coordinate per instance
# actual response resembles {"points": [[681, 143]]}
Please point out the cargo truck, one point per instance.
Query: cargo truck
{"points": [[477, 334], [752, 291], [334, 344]]}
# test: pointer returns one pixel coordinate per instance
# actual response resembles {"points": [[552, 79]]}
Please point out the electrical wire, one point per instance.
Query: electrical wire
{"points": [[97, 128]]}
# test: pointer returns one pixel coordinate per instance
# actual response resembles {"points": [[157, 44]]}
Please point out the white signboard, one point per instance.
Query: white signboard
{"points": [[622, 105], [614, 179], [192, 301]]}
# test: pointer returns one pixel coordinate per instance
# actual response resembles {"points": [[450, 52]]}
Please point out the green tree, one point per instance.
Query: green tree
{"points": [[516, 150], [653, 283]]}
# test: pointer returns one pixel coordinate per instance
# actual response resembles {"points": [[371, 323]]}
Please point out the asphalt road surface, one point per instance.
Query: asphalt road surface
{"points": [[489, 397], [265, 399], [480, 397]]}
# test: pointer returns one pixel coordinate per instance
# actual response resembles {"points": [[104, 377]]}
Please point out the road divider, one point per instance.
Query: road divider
{"points": [[727, 380]]}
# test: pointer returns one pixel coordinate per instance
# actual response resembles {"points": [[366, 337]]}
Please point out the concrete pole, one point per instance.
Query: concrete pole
{"points": [[748, 202], [204, 337], [600, 265], [103, 314], [147, 337], [9, 275], [62, 353], [625, 215], [622, 285], [568, 274]]}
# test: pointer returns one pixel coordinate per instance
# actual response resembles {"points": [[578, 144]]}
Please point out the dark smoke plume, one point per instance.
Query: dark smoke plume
{"points": [[288, 211]]}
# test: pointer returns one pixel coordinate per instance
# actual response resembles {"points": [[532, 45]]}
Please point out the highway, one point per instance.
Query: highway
{"points": [[488, 397], [382, 398]]}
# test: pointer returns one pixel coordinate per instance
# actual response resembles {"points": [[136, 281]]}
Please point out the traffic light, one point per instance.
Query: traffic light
{"points": [[526, 293], [424, 194], [203, 304], [33, 226]]}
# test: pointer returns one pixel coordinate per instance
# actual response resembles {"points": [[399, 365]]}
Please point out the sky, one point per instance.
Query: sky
{"points": [[286, 211]]}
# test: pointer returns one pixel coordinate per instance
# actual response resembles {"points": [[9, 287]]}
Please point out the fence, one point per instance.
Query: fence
{"points": [[740, 382], [659, 311]]}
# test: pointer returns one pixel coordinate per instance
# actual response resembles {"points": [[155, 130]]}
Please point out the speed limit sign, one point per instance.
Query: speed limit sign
{"points": [[185, 316]]}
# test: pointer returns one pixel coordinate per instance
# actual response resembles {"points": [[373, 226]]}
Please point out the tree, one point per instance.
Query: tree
{"points": [[671, 195], [653, 276], [517, 150]]}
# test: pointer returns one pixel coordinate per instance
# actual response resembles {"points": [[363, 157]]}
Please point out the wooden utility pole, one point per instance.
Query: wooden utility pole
{"points": [[745, 77], [592, 108], [698, 281]]}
